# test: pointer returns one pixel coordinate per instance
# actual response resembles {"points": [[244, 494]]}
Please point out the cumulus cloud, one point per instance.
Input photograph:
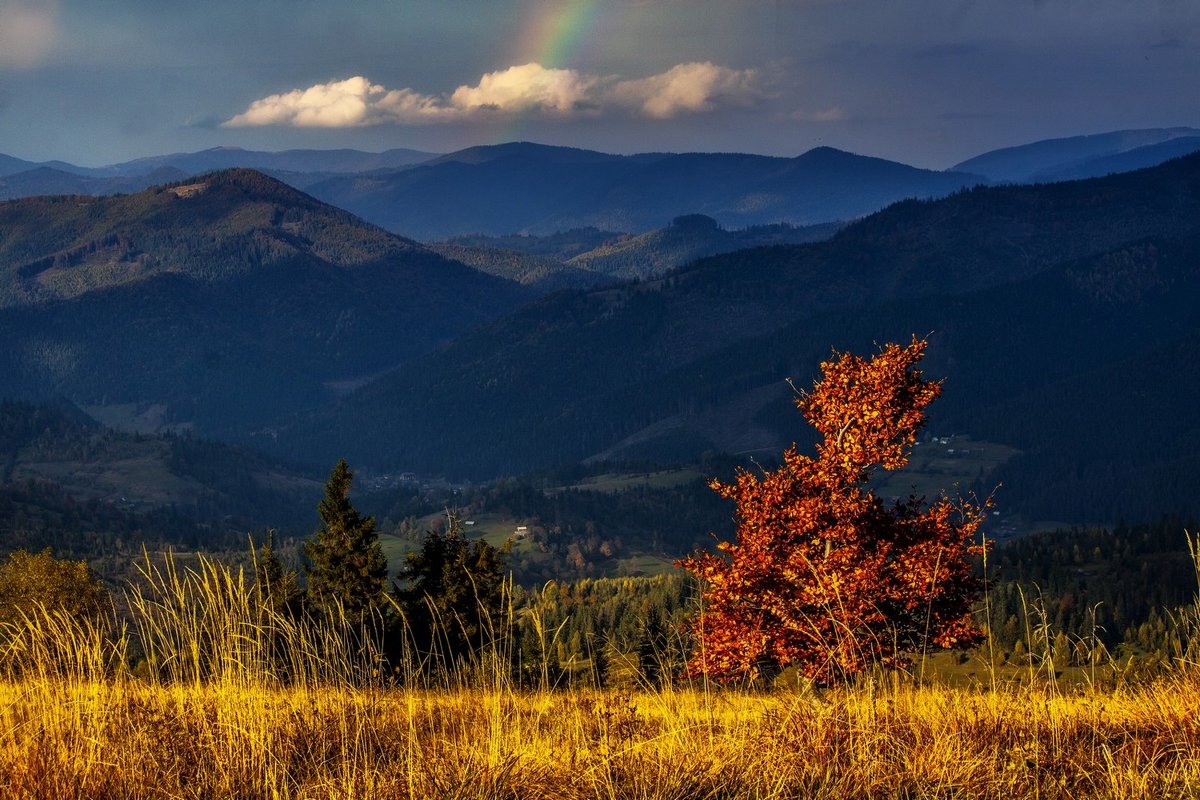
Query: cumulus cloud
{"points": [[527, 88], [28, 32], [689, 88], [337, 104]]}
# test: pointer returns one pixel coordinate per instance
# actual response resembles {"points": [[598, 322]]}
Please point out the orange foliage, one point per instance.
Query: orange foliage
{"points": [[824, 575]]}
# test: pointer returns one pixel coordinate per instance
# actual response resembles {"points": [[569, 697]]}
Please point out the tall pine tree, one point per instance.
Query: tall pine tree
{"points": [[347, 571]]}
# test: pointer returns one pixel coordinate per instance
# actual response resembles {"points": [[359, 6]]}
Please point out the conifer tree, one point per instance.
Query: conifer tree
{"points": [[347, 571], [451, 592], [276, 587]]}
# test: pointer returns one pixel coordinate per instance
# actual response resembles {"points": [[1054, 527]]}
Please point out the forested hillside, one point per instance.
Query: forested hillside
{"points": [[687, 239], [1023, 290], [229, 300], [89, 491]]}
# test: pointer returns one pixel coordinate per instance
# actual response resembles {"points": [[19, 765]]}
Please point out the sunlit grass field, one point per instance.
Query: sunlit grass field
{"points": [[64, 739], [225, 698]]}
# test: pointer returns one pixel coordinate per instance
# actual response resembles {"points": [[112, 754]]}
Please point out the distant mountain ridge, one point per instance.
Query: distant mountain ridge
{"points": [[43, 180], [1125, 161], [529, 188], [1075, 156], [20, 178], [686, 239], [343, 160], [583, 258], [224, 157]]}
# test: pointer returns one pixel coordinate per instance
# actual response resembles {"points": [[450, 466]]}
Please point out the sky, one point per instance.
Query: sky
{"points": [[926, 82]]}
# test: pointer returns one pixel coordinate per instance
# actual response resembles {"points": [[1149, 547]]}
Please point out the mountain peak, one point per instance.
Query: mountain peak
{"points": [[247, 183]]}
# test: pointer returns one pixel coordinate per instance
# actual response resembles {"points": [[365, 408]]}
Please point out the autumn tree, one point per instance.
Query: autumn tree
{"points": [[346, 568], [824, 575]]}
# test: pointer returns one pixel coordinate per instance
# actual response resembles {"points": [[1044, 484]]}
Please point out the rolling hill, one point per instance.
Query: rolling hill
{"points": [[227, 299]]}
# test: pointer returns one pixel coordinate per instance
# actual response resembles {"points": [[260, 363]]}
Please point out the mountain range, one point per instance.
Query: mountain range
{"points": [[1031, 295], [20, 178], [321, 161], [233, 305], [528, 188]]}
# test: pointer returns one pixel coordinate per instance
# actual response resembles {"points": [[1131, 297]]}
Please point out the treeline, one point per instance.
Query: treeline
{"points": [[1075, 594], [576, 532], [1115, 587], [610, 631]]}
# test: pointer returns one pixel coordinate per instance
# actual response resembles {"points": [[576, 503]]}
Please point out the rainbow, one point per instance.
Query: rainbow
{"points": [[558, 34], [561, 33]]}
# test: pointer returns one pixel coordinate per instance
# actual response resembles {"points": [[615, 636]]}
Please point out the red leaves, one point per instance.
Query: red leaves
{"points": [[822, 575]]}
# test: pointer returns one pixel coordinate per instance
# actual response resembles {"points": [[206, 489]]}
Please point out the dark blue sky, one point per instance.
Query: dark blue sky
{"points": [[922, 81]]}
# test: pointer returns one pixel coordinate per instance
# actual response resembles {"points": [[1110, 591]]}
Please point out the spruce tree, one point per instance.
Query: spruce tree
{"points": [[451, 592], [347, 571]]}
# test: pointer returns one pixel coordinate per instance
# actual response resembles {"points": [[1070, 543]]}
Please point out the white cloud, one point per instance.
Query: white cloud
{"points": [[689, 88], [28, 32], [527, 88], [337, 104]]}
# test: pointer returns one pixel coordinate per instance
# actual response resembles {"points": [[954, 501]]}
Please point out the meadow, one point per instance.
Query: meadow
{"points": [[113, 739], [206, 692]]}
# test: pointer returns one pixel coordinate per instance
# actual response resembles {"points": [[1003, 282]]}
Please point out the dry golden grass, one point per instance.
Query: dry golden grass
{"points": [[132, 739], [219, 715]]}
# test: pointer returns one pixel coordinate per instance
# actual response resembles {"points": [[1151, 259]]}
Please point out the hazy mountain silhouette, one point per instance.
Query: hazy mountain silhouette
{"points": [[19, 178], [530, 188], [1055, 159]]}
